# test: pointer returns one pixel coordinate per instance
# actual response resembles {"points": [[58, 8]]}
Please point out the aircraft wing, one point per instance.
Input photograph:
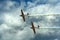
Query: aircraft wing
{"points": [[33, 28], [24, 18]]}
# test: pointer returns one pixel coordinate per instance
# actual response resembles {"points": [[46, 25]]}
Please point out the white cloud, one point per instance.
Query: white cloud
{"points": [[12, 19], [4, 27], [30, 5], [8, 5], [56, 39]]}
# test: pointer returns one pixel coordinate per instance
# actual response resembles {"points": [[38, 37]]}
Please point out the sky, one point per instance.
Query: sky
{"points": [[12, 26]]}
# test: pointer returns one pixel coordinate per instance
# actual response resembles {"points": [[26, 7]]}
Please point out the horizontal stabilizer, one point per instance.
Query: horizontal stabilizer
{"points": [[27, 13], [38, 26], [20, 15]]}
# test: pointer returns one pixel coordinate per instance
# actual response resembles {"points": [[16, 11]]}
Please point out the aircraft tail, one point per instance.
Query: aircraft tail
{"points": [[27, 13], [38, 26]]}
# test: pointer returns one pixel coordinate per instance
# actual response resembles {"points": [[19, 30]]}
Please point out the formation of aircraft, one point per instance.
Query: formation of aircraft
{"points": [[32, 24], [33, 27]]}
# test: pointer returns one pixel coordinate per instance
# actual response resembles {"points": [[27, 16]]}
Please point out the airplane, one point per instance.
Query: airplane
{"points": [[22, 15], [33, 27]]}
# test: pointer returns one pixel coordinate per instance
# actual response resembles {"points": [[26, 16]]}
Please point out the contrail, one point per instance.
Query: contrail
{"points": [[45, 15], [50, 27]]}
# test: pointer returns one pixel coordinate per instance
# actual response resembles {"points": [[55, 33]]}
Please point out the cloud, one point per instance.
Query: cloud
{"points": [[8, 5], [12, 26]]}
